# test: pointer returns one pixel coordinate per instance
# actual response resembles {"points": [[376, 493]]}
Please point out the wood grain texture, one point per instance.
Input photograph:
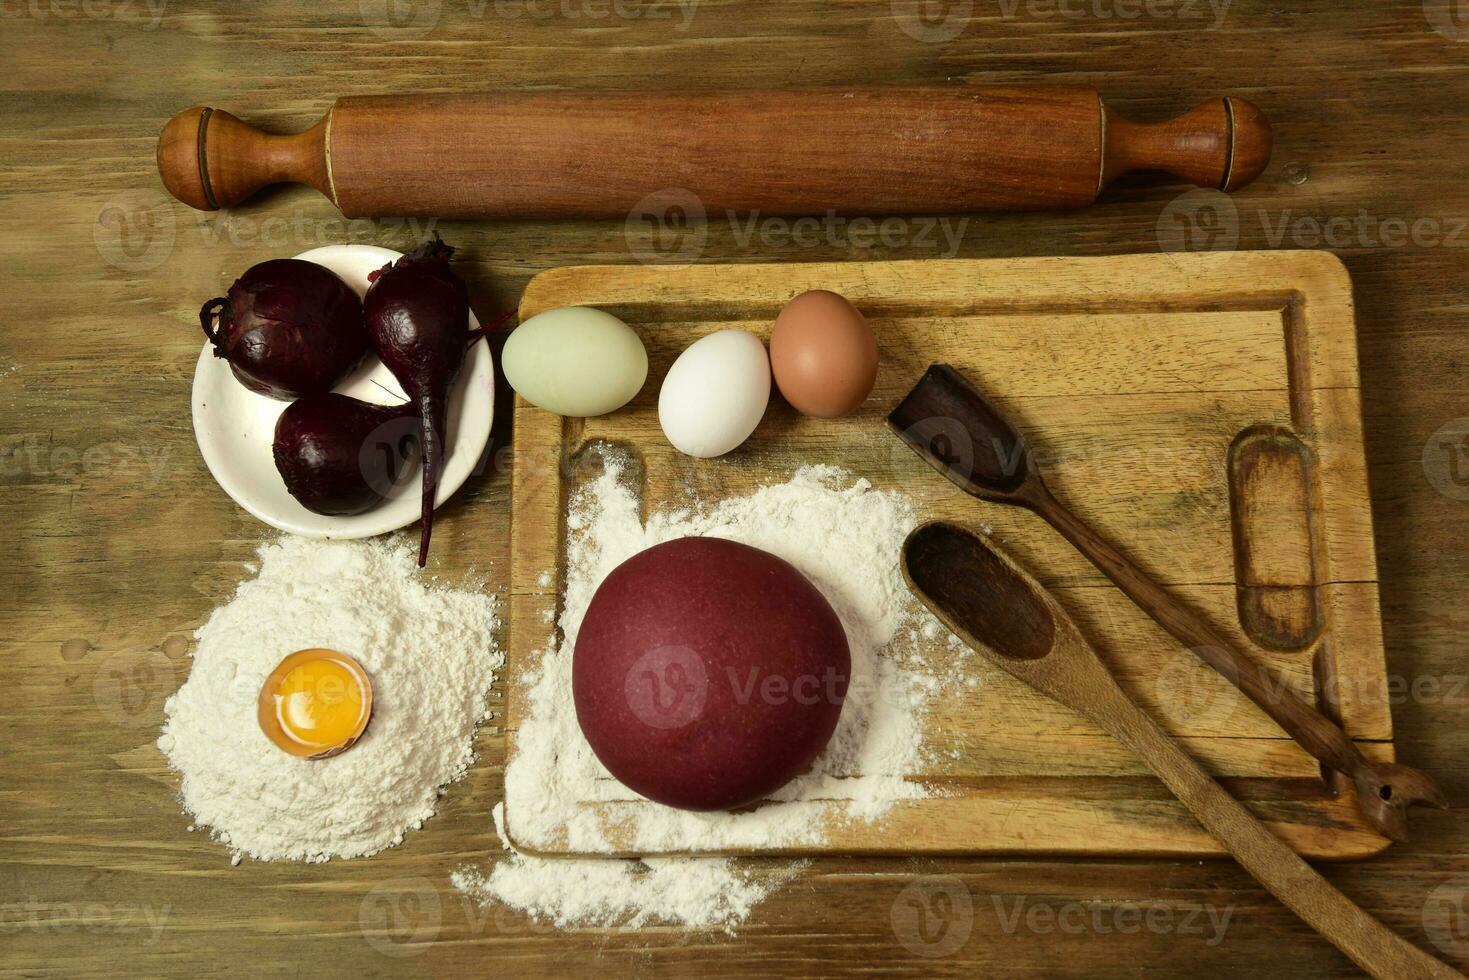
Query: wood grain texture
{"points": [[117, 538], [889, 150], [1099, 379]]}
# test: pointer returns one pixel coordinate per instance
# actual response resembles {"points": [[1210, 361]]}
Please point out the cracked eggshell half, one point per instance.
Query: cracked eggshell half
{"points": [[715, 393]]}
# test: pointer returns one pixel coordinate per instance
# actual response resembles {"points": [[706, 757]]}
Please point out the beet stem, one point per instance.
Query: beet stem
{"points": [[484, 331], [432, 250], [432, 451]]}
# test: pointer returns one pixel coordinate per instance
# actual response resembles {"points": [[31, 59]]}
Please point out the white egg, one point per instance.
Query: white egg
{"points": [[575, 361], [715, 393]]}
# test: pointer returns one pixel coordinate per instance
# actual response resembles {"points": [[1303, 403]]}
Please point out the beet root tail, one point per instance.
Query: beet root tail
{"points": [[433, 453]]}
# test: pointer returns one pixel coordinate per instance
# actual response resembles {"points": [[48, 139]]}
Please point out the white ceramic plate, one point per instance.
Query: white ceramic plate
{"points": [[235, 427]]}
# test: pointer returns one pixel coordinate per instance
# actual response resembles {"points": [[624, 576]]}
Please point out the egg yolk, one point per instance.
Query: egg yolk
{"points": [[319, 704]]}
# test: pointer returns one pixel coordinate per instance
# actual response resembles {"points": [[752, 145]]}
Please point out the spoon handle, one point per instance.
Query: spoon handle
{"points": [[996, 608], [1272, 863]]}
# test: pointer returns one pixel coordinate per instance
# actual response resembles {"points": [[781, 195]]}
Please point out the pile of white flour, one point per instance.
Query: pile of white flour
{"points": [[431, 654], [846, 537]]}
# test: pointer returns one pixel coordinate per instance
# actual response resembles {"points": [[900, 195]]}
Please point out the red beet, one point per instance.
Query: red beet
{"points": [[707, 674], [288, 328], [341, 456], [418, 317]]}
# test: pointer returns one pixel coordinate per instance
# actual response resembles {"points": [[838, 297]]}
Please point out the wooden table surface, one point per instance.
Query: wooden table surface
{"points": [[120, 544]]}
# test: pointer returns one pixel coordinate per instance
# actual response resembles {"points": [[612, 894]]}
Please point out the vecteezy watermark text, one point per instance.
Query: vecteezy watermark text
{"points": [[31, 457], [681, 11], [138, 231], [669, 687], [1213, 11], [300, 229], [859, 233], [147, 12], [934, 916], [938, 21], [1364, 230], [1021, 914], [403, 917], [411, 20], [97, 918], [672, 225], [1204, 220]]}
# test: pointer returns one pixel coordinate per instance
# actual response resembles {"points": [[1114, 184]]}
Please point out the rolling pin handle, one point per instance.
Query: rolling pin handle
{"points": [[1222, 144], [209, 159], [1251, 141]]}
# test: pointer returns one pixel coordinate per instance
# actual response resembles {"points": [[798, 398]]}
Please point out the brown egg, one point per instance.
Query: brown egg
{"points": [[823, 355]]}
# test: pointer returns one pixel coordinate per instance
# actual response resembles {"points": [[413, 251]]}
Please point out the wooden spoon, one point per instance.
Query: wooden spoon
{"points": [[1001, 611], [965, 437]]}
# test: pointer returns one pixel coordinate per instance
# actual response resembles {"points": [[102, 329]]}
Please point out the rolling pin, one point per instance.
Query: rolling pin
{"points": [[600, 155]]}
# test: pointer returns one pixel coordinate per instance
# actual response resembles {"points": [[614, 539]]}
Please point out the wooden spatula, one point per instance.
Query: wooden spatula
{"points": [[998, 609], [966, 437]]}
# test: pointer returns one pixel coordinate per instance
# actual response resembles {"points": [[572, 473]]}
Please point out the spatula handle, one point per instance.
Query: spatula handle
{"points": [[1272, 863], [1317, 734]]}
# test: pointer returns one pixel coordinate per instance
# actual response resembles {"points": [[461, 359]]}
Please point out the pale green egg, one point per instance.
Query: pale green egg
{"points": [[575, 361]]}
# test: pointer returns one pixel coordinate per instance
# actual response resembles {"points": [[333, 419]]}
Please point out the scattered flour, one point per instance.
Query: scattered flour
{"points": [[431, 654], [696, 893], [846, 537]]}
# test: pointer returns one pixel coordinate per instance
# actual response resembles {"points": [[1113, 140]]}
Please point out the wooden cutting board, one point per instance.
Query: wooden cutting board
{"points": [[1201, 410]]}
